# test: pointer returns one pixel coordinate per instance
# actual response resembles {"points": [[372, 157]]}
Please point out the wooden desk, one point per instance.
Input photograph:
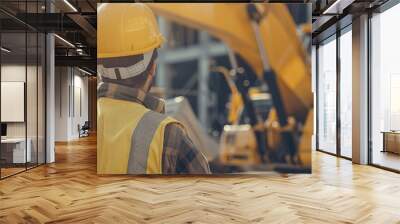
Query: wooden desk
{"points": [[391, 141]]}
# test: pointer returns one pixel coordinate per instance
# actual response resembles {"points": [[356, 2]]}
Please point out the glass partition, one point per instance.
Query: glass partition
{"points": [[327, 96], [14, 153], [385, 89], [22, 78], [314, 89], [346, 93]]}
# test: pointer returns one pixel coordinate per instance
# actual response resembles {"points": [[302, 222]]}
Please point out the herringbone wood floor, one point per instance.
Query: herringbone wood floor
{"points": [[69, 191]]}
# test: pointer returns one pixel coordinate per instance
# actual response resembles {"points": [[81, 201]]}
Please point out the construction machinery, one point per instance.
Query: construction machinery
{"points": [[265, 37]]}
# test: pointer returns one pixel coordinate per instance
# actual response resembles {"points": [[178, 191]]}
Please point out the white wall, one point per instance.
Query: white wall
{"points": [[62, 81], [33, 127], [15, 73], [71, 94]]}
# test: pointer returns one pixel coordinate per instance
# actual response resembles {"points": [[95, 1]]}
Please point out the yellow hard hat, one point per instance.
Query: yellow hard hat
{"points": [[125, 29]]}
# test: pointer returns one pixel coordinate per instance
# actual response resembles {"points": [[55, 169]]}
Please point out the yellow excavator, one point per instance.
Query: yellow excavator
{"points": [[264, 35]]}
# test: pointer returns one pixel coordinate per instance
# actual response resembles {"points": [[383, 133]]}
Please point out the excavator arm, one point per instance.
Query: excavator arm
{"points": [[231, 24]]}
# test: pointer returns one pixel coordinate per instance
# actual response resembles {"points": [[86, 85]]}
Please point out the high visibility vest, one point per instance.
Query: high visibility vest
{"points": [[130, 138]]}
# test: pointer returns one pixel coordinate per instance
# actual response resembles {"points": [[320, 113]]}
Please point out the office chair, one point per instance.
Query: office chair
{"points": [[84, 130]]}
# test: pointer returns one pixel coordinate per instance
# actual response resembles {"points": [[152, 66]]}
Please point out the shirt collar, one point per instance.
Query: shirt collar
{"points": [[120, 92]]}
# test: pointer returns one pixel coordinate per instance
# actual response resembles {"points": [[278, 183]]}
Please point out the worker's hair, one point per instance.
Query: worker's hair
{"points": [[137, 81]]}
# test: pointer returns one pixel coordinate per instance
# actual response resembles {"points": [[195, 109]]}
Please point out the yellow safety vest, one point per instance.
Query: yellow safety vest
{"points": [[130, 138]]}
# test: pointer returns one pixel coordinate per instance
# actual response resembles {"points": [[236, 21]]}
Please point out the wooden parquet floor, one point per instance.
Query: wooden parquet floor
{"points": [[69, 191]]}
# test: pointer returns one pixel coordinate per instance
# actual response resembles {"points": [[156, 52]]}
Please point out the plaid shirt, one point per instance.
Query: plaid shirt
{"points": [[179, 154]]}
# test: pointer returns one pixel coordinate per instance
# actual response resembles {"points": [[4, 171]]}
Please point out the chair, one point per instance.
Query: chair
{"points": [[84, 130]]}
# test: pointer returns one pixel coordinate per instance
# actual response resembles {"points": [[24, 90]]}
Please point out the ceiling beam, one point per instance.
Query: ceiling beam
{"points": [[84, 24], [337, 7], [77, 61]]}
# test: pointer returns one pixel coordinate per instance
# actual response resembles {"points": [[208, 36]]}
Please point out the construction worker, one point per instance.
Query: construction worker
{"points": [[134, 136]]}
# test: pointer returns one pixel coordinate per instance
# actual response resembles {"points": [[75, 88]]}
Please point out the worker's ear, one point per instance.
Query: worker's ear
{"points": [[150, 78], [153, 70]]}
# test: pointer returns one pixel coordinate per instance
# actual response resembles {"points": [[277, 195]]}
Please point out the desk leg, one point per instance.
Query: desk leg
{"points": [[384, 142]]}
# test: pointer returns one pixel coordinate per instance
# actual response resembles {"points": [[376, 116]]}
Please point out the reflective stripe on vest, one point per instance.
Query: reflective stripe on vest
{"points": [[142, 137], [130, 138]]}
